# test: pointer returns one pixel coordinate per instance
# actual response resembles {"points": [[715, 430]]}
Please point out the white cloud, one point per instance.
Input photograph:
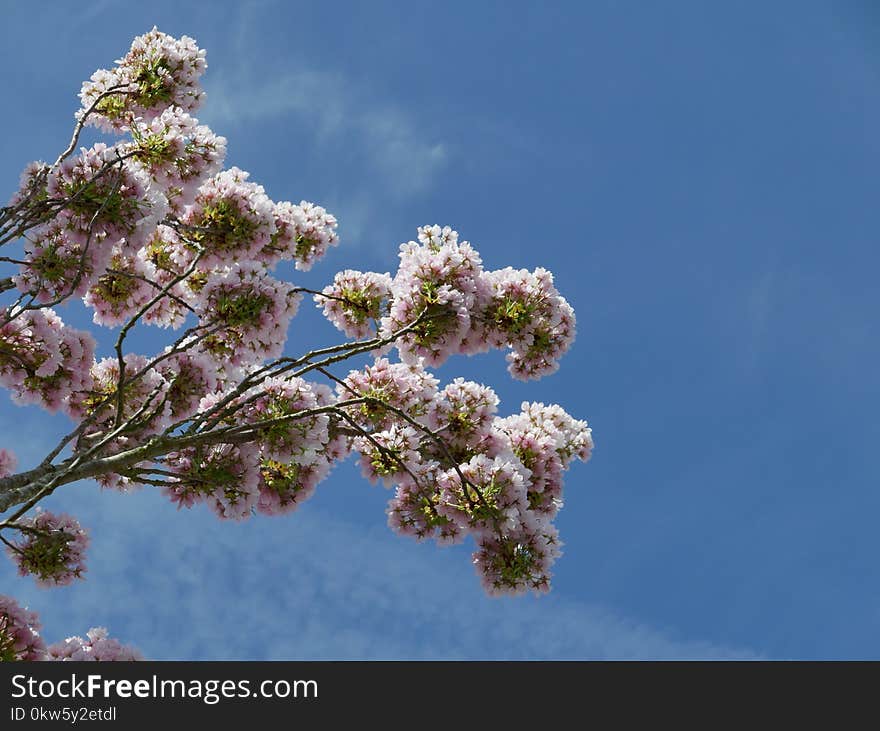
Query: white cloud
{"points": [[336, 113], [387, 153]]}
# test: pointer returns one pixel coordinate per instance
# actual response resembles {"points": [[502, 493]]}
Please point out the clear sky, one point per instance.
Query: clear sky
{"points": [[701, 177]]}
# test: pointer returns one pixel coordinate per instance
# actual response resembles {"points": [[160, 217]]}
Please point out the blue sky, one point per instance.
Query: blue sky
{"points": [[702, 180]]}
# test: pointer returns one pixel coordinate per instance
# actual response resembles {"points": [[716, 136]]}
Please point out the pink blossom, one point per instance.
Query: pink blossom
{"points": [[247, 312], [8, 463], [41, 360], [225, 476], [59, 264], [138, 394], [121, 291], [491, 498], [303, 233], [408, 387], [19, 632], [286, 486], [159, 71], [190, 377], [519, 561], [167, 258], [299, 440], [51, 549], [178, 154], [354, 303], [546, 440], [439, 280], [31, 184], [105, 194], [464, 413], [526, 313], [97, 646], [231, 219], [338, 444], [413, 511], [144, 409], [390, 454]]}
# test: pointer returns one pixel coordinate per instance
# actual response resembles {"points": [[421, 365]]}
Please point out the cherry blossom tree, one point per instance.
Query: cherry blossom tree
{"points": [[148, 229]]}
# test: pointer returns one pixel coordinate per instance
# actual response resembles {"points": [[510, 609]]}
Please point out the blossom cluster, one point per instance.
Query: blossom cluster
{"points": [[8, 463], [232, 219], [19, 632], [246, 313], [104, 193], [290, 450], [178, 154], [303, 233], [168, 260], [355, 301], [386, 385], [527, 314], [546, 440], [442, 302], [280, 403], [225, 476], [52, 548], [97, 646], [106, 204], [59, 264], [158, 72], [388, 454], [121, 291], [438, 284], [20, 640], [42, 361], [101, 401], [189, 376], [458, 469], [482, 487]]}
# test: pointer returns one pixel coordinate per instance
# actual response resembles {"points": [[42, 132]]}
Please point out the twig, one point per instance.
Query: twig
{"points": [[131, 323]]}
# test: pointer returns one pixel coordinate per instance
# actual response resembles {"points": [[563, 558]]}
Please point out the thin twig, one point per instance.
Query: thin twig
{"points": [[465, 483], [131, 323], [81, 122]]}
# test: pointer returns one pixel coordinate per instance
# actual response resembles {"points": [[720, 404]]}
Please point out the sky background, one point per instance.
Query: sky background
{"points": [[702, 179]]}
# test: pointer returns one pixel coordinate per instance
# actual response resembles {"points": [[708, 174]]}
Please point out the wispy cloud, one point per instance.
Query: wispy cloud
{"points": [[335, 110], [385, 152], [327, 104]]}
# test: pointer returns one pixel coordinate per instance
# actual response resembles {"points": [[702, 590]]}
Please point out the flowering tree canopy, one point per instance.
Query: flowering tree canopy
{"points": [[149, 229]]}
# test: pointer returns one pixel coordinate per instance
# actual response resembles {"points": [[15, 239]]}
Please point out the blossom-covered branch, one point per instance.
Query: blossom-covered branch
{"points": [[149, 230]]}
